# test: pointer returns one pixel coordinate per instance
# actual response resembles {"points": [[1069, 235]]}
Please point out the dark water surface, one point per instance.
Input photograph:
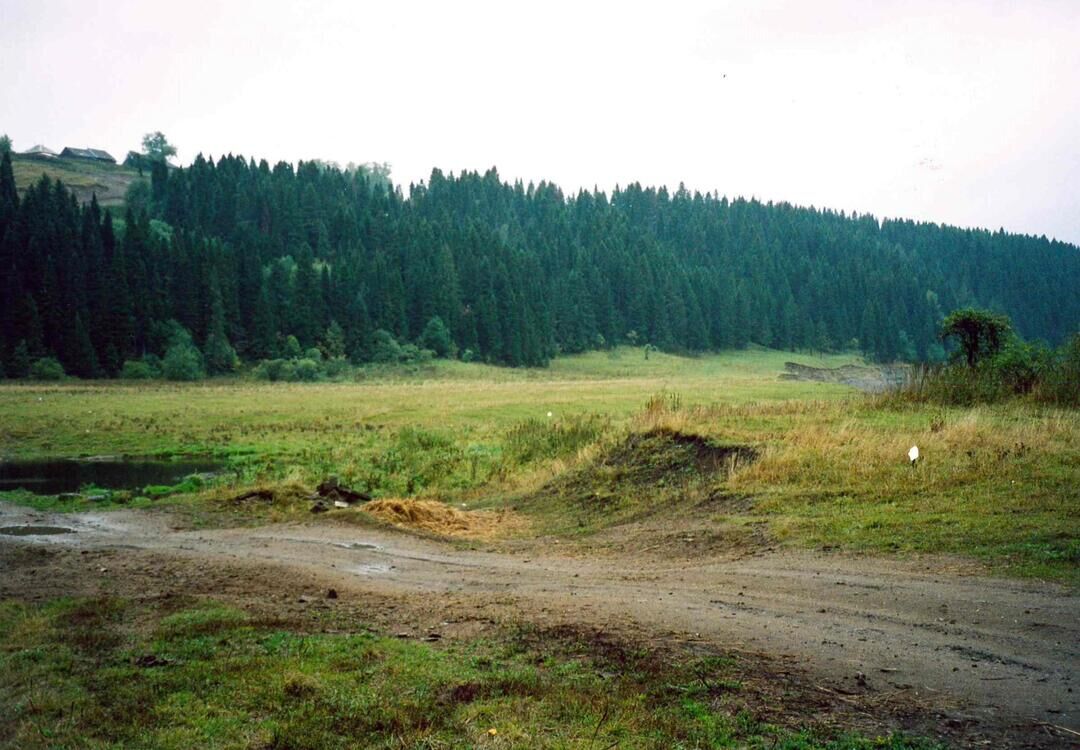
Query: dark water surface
{"points": [[56, 476], [34, 530]]}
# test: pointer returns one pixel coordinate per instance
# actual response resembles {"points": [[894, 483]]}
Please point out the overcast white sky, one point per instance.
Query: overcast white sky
{"points": [[959, 112]]}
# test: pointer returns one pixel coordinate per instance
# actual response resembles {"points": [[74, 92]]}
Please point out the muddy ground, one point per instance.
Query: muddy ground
{"points": [[870, 379], [927, 646]]}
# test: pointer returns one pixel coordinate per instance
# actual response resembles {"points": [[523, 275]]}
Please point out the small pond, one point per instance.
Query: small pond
{"points": [[52, 477]]}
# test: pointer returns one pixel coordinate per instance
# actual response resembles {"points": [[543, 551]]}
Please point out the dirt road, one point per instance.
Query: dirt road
{"points": [[987, 650]]}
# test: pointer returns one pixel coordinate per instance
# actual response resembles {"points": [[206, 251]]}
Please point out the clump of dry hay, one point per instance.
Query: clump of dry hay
{"points": [[440, 518]]}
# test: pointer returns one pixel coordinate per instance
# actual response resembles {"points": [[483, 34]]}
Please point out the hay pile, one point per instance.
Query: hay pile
{"points": [[440, 518]]}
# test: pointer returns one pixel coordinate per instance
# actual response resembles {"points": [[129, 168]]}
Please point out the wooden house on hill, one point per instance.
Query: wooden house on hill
{"points": [[39, 152], [91, 154]]}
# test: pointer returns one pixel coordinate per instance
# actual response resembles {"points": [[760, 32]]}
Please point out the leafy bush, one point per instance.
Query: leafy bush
{"points": [[46, 368], [384, 347], [183, 359], [220, 356], [333, 342], [1060, 384], [302, 370], [306, 370], [336, 367], [386, 350], [137, 369], [1019, 365], [291, 349], [414, 355], [274, 370], [1018, 369], [19, 364], [436, 337]]}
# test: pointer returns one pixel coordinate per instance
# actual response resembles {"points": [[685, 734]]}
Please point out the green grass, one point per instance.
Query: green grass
{"points": [[997, 484], [81, 673], [108, 181], [461, 413]]}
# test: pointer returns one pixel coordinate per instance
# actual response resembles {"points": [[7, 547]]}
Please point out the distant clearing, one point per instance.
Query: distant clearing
{"points": [[84, 178]]}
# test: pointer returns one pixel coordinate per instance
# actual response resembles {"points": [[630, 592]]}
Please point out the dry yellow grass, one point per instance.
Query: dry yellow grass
{"points": [[439, 518]]}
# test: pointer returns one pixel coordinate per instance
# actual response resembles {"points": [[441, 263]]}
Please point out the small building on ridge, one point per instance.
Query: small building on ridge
{"points": [[91, 154]]}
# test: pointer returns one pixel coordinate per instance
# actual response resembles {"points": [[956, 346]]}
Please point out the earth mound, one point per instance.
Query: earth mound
{"points": [[646, 465]]}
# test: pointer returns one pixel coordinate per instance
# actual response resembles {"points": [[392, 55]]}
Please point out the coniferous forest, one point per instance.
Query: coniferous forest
{"points": [[246, 262]]}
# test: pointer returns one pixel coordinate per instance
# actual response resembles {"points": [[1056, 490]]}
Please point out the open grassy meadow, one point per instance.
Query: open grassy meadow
{"points": [[998, 484], [575, 451]]}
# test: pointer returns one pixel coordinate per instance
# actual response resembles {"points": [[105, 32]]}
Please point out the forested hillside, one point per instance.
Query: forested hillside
{"points": [[244, 256]]}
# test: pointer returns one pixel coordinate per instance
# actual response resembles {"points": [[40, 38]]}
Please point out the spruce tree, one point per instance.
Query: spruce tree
{"points": [[82, 360], [220, 357]]}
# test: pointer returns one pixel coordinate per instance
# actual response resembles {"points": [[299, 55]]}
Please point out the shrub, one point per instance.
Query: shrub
{"points": [[306, 370], [413, 355], [291, 348], [20, 361], [333, 342], [275, 370], [1018, 369], [183, 362], [220, 356], [136, 369], [336, 367], [384, 347], [1061, 383], [436, 337], [46, 368], [1019, 365]]}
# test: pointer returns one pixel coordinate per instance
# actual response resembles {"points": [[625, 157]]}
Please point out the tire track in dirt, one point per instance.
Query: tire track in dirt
{"points": [[997, 651]]}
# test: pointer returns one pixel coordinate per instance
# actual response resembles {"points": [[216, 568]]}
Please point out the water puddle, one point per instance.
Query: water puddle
{"points": [[54, 477], [370, 570], [34, 530], [357, 545]]}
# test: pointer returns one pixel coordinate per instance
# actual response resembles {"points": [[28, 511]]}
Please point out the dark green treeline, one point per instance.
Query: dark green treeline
{"points": [[241, 250]]}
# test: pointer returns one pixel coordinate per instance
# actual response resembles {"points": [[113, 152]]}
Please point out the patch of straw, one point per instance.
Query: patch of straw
{"points": [[439, 518]]}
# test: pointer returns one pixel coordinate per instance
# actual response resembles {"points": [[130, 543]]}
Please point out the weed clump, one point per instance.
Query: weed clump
{"points": [[534, 440]]}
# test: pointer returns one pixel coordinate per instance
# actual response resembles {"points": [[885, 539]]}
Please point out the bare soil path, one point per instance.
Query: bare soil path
{"points": [[987, 651]]}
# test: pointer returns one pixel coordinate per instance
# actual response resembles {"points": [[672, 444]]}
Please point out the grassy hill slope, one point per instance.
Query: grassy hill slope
{"points": [[84, 178]]}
